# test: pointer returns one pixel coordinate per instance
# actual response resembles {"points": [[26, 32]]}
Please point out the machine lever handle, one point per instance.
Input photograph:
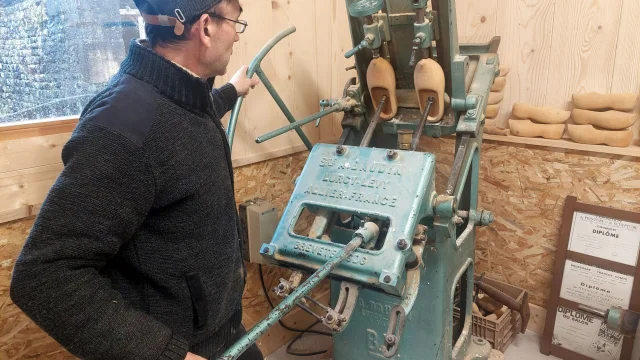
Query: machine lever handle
{"points": [[414, 54], [420, 127], [414, 51], [363, 44]]}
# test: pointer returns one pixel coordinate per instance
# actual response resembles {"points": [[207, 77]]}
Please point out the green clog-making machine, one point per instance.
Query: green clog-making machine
{"points": [[399, 255]]}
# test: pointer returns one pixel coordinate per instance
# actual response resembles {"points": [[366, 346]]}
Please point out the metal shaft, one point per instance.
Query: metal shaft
{"points": [[423, 120], [297, 124], [374, 122], [285, 110], [364, 235]]}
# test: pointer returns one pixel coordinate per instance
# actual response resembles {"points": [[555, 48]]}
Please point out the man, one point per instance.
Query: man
{"points": [[135, 253]]}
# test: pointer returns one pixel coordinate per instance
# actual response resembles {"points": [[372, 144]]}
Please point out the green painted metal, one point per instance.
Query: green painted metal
{"points": [[365, 7], [364, 235], [419, 4], [285, 110], [297, 124], [363, 45], [426, 31], [374, 32], [252, 69], [622, 320], [396, 190], [365, 182]]}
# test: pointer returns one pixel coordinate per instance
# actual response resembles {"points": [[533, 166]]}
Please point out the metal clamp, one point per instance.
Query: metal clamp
{"points": [[338, 318], [394, 332]]}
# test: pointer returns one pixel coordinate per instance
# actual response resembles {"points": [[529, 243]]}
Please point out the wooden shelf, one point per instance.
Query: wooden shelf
{"points": [[632, 150]]}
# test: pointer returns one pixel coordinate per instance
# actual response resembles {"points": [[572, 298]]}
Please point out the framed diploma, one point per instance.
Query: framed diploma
{"points": [[596, 266]]}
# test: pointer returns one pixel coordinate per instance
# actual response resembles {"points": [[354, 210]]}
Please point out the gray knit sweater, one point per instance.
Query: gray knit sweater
{"points": [[135, 253]]}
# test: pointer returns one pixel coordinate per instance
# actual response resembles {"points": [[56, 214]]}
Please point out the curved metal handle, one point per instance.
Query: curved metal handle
{"points": [[253, 67]]}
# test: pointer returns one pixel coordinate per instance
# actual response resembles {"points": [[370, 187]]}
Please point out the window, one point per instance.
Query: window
{"points": [[57, 54]]}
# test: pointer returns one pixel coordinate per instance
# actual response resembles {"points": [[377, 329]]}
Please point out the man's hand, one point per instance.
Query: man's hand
{"points": [[191, 356], [242, 83]]}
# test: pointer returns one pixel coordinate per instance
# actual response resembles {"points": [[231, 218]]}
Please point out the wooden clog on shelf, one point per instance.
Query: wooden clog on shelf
{"points": [[597, 101], [610, 120], [429, 81], [499, 84], [504, 70], [527, 128], [587, 134], [495, 98], [545, 115], [492, 111], [381, 80], [491, 127]]}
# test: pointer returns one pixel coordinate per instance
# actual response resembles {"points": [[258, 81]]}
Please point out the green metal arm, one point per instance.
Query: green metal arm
{"points": [[254, 68], [296, 125], [364, 235]]}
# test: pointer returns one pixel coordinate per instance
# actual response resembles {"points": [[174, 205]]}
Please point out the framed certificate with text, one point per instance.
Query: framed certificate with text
{"points": [[596, 266]]}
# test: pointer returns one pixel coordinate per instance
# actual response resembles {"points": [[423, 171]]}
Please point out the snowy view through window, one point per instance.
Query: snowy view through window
{"points": [[56, 54]]}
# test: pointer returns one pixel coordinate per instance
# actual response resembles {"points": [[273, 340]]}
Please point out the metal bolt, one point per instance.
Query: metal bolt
{"points": [[329, 317], [281, 287], [265, 250], [402, 244], [387, 279], [340, 149], [391, 339], [392, 154]]}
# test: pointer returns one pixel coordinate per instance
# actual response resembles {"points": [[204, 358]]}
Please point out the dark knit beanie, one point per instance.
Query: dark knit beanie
{"points": [[173, 13]]}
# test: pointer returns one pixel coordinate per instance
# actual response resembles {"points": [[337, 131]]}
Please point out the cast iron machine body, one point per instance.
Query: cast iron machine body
{"points": [[398, 253]]}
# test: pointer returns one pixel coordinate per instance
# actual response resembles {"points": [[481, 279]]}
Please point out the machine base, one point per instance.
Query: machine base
{"points": [[479, 349]]}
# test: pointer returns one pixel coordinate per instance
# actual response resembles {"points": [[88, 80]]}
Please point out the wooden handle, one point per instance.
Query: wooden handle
{"points": [[522, 308], [598, 101], [499, 296], [545, 115]]}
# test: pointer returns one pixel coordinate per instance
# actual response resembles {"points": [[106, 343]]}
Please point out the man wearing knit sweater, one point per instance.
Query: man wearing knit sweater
{"points": [[135, 253]]}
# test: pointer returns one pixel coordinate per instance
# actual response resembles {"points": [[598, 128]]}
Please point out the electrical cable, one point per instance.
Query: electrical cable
{"points": [[301, 332]]}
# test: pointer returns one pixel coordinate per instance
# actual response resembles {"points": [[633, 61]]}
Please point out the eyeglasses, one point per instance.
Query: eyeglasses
{"points": [[241, 25]]}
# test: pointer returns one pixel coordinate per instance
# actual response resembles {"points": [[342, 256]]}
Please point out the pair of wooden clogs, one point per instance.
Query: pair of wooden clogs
{"points": [[428, 80], [598, 119]]}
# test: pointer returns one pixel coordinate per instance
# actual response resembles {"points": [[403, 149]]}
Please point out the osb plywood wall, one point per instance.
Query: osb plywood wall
{"points": [[525, 188]]}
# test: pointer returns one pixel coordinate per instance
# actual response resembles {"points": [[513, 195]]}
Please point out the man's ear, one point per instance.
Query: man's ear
{"points": [[203, 28]]}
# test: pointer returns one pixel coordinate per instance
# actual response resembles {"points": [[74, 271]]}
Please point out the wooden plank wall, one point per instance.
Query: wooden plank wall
{"points": [[556, 48], [304, 68]]}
